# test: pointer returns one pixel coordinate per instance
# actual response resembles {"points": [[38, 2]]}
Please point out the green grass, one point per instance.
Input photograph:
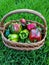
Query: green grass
{"points": [[15, 57]]}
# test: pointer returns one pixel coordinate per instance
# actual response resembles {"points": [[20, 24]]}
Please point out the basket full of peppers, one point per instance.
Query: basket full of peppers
{"points": [[23, 34]]}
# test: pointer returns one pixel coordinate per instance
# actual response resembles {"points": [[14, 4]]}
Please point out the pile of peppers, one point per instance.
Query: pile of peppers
{"points": [[23, 32]]}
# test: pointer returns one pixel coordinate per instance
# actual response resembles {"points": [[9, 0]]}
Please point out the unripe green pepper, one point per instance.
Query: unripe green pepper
{"points": [[13, 37], [24, 34]]}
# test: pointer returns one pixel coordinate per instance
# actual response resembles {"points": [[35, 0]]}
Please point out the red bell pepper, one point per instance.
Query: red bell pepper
{"points": [[35, 34], [31, 26], [23, 21], [15, 28]]}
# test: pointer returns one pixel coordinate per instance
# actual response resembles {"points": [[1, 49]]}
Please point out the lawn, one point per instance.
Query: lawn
{"points": [[15, 57]]}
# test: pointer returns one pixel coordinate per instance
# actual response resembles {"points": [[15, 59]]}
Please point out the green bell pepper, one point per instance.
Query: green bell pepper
{"points": [[13, 37], [24, 34]]}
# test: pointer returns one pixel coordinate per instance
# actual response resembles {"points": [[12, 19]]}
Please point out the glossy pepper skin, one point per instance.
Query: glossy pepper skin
{"points": [[15, 28], [24, 34], [13, 37], [35, 34], [31, 26]]}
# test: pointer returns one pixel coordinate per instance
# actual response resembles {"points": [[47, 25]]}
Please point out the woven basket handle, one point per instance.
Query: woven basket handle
{"points": [[24, 10]]}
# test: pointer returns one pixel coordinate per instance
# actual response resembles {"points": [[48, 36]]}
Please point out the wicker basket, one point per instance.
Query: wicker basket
{"points": [[18, 45]]}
